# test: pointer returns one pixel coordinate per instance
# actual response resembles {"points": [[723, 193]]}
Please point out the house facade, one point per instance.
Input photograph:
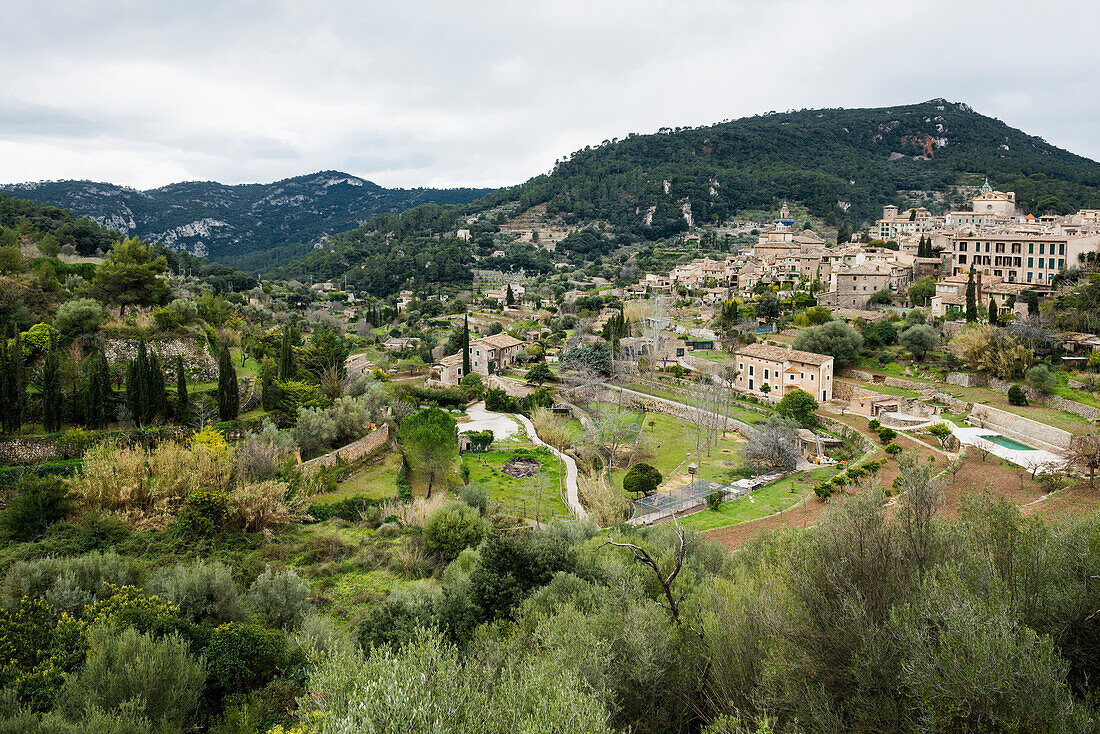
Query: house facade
{"points": [[771, 372]]}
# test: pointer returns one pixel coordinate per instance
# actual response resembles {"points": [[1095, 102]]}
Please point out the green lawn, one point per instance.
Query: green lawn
{"points": [[538, 496], [670, 444], [761, 503], [374, 480]]}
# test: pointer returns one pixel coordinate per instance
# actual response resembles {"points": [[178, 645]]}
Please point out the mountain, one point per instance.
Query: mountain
{"points": [[253, 226], [842, 164]]}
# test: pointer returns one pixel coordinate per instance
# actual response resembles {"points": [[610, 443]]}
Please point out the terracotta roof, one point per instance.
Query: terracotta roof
{"points": [[781, 354], [499, 341]]}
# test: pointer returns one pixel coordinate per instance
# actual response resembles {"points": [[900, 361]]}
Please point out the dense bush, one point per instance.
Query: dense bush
{"points": [[1016, 396], [79, 316], [244, 657], [396, 620], [37, 503], [158, 676], [68, 584], [202, 592], [453, 528], [281, 598]]}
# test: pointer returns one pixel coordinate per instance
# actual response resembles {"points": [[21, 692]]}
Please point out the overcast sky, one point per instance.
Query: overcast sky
{"points": [[446, 93]]}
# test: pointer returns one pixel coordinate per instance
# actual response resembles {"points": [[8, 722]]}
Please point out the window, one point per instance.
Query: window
{"points": [[740, 366], [1030, 248], [1029, 277], [767, 373], [1042, 249], [1051, 261], [750, 384], [1061, 264], [824, 396], [962, 259], [1061, 248], [1031, 262], [750, 372]]}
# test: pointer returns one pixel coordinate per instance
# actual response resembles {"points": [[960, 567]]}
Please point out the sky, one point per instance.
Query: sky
{"points": [[458, 93]]}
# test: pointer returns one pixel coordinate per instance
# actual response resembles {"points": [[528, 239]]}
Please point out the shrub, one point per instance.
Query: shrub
{"points": [[476, 497], [167, 319], [129, 606], [472, 386], [262, 506], [349, 508], [260, 456], [79, 316], [37, 650], [67, 584], [38, 502], [1042, 379], [75, 441], [886, 435], [798, 404], [714, 501], [396, 620], [281, 598], [202, 592], [893, 449], [874, 424], [157, 676], [824, 490], [243, 657], [1016, 396], [453, 528], [203, 515], [642, 479]]}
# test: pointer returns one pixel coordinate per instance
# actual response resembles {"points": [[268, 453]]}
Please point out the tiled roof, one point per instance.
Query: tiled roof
{"points": [[781, 354], [499, 341]]}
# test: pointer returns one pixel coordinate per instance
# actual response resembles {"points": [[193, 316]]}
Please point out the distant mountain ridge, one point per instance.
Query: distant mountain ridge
{"points": [[843, 165], [253, 226]]}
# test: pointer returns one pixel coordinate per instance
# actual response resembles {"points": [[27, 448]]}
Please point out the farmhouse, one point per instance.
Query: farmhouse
{"points": [[772, 372]]}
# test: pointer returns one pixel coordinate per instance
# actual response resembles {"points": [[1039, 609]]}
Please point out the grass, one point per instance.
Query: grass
{"points": [[537, 496], [763, 502], [671, 447], [736, 411], [373, 480]]}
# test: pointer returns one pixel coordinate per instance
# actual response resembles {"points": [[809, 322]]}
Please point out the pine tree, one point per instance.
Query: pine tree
{"points": [[971, 299], [465, 345], [228, 399], [97, 392], [51, 389], [183, 402]]}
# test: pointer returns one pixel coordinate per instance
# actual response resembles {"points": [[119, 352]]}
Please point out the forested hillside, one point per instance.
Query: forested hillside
{"points": [[252, 226], [843, 165]]}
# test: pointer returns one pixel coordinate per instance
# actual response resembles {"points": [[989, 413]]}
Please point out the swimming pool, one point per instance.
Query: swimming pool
{"points": [[1007, 443]]}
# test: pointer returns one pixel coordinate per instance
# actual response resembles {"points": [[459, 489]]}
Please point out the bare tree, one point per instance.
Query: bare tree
{"points": [[983, 447], [1083, 454], [614, 427], [773, 446], [665, 579]]}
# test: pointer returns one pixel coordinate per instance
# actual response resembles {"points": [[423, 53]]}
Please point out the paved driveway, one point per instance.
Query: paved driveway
{"points": [[502, 425]]}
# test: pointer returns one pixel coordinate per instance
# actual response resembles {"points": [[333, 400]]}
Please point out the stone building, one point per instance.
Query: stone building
{"points": [[782, 371]]}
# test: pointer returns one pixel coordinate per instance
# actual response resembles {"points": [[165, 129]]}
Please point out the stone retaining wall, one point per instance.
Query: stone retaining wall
{"points": [[349, 454], [1053, 401], [965, 379], [1025, 430], [855, 374], [892, 381], [24, 451], [196, 360]]}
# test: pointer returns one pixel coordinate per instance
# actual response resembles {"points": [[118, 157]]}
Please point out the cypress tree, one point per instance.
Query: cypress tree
{"points": [[992, 311], [6, 386], [156, 390], [137, 385], [14, 393], [509, 298], [228, 399], [51, 389], [1032, 303], [465, 345], [182, 401], [287, 369], [97, 392], [971, 299]]}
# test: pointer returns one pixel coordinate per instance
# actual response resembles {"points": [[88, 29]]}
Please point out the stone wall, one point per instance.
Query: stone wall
{"points": [[196, 360], [855, 374], [844, 390], [349, 454], [1025, 430], [24, 451], [953, 403], [1053, 401], [965, 379], [892, 381]]}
